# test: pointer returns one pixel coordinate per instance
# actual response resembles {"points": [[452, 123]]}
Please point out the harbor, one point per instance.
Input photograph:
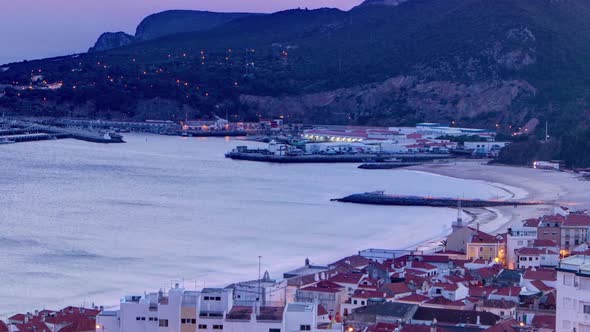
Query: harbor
{"points": [[24, 131], [380, 198], [263, 155]]}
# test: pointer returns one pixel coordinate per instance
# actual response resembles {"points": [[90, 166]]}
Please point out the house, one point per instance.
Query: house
{"points": [[450, 291], [329, 294], [264, 319], [396, 290], [350, 281], [547, 275], [388, 312], [536, 257], [507, 294], [550, 228], [519, 237], [362, 298], [504, 309], [574, 230], [485, 246], [68, 319], [427, 269]]}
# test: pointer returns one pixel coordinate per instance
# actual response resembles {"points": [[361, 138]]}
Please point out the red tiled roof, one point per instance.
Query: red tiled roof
{"points": [[3, 327], [368, 294], [396, 288], [35, 326], [417, 298], [440, 300], [422, 266], [481, 291], [324, 286], [541, 286], [535, 251], [486, 272], [544, 243], [576, 219], [509, 325], [544, 322], [508, 291], [382, 327], [435, 258], [347, 278], [446, 286], [409, 271], [533, 222], [322, 310], [355, 261], [540, 274], [17, 318], [483, 237]]}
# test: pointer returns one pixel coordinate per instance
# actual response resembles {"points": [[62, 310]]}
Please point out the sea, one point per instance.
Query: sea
{"points": [[84, 223]]}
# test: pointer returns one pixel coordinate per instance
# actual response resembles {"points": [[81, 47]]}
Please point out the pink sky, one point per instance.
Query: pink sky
{"points": [[32, 29]]}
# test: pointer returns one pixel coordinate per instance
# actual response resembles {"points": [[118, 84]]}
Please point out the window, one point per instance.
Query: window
{"points": [[218, 327], [362, 302], [183, 321], [163, 323], [354, 302], [567, 280], [274, 330], [305, 328], [202, 327], [193, 321], [206, 298], [218, 298], [586, 309], [137, 318]]}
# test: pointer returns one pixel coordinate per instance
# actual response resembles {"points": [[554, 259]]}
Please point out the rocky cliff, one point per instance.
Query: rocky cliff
{"points": [[110, 40]]}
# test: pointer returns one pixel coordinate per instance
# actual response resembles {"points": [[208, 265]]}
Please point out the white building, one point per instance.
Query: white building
{"points": [[521, 236], [536, 257], [485, 147], [573, 294]]}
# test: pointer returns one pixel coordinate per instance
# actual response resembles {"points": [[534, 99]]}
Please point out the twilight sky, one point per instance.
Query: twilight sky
{"points": [[32, 29]]}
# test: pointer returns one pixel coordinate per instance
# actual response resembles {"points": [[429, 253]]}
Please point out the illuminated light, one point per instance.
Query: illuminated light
{"points": [[98, 326]]}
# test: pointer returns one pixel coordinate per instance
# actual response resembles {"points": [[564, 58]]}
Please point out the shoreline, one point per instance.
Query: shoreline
{"points": [[558, 188]]}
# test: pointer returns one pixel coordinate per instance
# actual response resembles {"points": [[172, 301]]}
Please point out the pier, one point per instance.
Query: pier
{"points": [[379, 198]]}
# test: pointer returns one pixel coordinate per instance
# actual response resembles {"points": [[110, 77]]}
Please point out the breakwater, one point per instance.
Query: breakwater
{"points": [[261, 155], [379, 198]]}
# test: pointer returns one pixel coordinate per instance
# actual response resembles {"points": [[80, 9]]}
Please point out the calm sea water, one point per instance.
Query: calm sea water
{"points": [[83, 223]]}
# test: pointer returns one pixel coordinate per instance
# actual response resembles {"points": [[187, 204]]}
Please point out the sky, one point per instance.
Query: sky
{"points": [[33, 29]]}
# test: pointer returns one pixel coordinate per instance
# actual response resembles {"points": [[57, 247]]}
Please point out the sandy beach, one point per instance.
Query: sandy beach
{"points": [[521, 183]]}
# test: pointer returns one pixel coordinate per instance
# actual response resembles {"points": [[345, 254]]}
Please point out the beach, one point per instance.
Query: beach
{"points": [[557, 188]]}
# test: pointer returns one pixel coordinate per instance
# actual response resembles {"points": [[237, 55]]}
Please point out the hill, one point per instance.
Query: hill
{"points": [[178, 21], [166, 23], [491, 63]]}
